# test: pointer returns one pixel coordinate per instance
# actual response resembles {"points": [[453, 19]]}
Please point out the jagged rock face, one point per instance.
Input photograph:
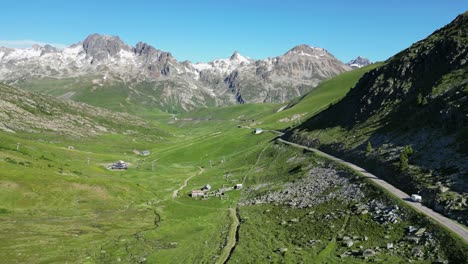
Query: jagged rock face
{"points": [[47, 49], [284, 77], [101, 48], [155, 60], [142, 48], [223, 81], [359, 62]]}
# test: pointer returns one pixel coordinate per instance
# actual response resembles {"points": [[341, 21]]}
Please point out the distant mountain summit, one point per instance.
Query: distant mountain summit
{"points": [[238, 57], [101, 48], [359, 62], [306, 50], [101, 61]]}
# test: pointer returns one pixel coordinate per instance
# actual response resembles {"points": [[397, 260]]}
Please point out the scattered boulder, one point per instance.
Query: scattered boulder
{"points": [[420, 231], [411, 229], [413, 239], [368, 253], [313, 190], [417, 252], [349, 243], [282, 250]]}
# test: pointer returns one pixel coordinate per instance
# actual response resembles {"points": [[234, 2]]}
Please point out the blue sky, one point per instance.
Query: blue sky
{"points": [[204, 30]]}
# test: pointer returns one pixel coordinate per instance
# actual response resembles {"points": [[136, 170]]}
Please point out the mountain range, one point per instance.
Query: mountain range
{"points": [[154, 78]]}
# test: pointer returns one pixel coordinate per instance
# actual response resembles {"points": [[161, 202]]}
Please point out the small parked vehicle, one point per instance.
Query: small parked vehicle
{"points": [[416, 198]]}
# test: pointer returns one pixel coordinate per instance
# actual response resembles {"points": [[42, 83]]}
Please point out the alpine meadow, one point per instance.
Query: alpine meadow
{"points": [[119, 153]]}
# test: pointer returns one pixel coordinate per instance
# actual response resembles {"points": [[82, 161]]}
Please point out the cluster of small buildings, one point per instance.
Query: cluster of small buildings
{"points": [[122, 165], [206, 192], [198, 193]]}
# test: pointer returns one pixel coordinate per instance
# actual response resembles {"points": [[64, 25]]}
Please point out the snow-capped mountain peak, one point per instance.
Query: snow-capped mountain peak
{"points": [[359, 62], [307, 51], [103, 47], [236, 56], [225, 66]]}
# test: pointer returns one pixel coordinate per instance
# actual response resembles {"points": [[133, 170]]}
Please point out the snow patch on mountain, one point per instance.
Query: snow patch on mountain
{"points": [[224, 66]]}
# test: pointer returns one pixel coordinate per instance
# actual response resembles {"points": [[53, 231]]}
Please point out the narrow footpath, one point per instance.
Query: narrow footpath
{"points": [[176, 192], [231, 243]]}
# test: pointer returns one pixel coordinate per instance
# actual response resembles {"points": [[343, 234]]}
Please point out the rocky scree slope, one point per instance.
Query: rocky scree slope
{"points": [[105, 60], [364, 223], [418, 98], [21, 111]]}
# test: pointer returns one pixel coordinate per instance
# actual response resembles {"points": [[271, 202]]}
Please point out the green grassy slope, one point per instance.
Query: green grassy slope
{"points": [[146, 99], [86, 213], [326, 93], [417, 99], [41, 114], [315, 234], [55, 207], [270, 116], [62, 205], [234, 113]]}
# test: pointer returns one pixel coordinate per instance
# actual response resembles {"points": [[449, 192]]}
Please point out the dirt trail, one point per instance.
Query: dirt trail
{"points": [[176, 192], [232, 238], [234, 229], [256, 162]]}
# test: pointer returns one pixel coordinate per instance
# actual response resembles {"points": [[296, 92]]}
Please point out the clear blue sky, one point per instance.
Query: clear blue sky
{"points": [[207, 29]]}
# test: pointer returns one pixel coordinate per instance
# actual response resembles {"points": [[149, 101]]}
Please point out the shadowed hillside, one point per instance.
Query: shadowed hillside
{"points": [[419, 99]]}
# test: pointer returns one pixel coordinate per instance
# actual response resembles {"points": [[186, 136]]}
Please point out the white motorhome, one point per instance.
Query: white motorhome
{"points": [[416, 198]]}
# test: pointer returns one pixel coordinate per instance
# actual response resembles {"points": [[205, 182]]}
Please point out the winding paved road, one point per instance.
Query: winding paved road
{"points": [[442, 220]]}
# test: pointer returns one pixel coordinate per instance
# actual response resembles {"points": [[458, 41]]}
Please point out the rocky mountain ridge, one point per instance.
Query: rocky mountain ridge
{"points": [[237, 79]]}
